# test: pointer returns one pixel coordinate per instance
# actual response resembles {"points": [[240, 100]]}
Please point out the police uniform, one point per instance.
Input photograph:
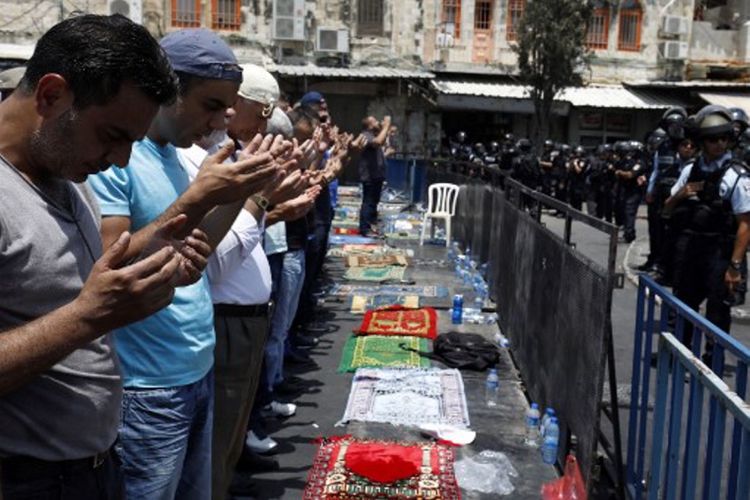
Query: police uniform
{"points": [[667, 167], [707, 228], [628, 194]]}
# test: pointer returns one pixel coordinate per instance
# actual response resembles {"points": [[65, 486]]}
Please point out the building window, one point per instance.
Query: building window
{"points": [[597, 35], [515, 12], [452, 14], [629, 37], [225, 15], [370, 17], [483, 15], [186, 13]]}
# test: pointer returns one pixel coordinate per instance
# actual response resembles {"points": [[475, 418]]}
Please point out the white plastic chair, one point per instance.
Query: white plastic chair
{"points": [[441, 204]]}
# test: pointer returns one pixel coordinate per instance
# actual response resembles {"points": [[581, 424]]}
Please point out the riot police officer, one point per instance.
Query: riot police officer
{"points": [[630, 179], [545, 165], [663, 176], [508, 152], [710, 209], [525, 165], [559, 174], [577, 172], [459, 149], [601, 182]]}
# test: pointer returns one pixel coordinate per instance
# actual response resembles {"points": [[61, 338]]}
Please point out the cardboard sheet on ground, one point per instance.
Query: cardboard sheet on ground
{"points": [[377, 274], [345, 467], [399, 320], [408, 397], [419, 290], [375, 351], [362, 303], [376, 260]]}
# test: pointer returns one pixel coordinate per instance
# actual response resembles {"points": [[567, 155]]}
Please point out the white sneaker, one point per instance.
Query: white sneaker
{"points": [[259, 445], [277, 409]]}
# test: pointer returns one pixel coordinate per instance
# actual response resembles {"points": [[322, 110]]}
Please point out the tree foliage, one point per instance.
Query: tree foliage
{"points": [[551, 52]]}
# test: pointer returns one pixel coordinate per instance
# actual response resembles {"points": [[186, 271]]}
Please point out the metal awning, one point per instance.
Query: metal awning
{"points": [[614, 96], [727, 99], [16, 51], [361, 72]]}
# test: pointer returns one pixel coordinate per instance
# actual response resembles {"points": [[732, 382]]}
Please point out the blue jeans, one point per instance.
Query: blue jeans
{"points": [[165, 441], [288, 275]]}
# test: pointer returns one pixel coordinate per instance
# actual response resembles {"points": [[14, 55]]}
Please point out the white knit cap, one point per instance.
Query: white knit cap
{"points": [[260, 86]]}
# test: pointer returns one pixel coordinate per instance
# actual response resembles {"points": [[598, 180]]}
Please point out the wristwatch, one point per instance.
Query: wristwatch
{"points": [[736, 265], [261, 201]]}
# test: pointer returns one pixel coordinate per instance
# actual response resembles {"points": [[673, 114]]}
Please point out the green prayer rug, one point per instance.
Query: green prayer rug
{"points": [[383, 351], [378, 274]]}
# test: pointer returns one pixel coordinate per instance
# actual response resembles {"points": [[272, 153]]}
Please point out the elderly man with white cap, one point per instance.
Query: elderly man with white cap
{"points": [[240, 282]]}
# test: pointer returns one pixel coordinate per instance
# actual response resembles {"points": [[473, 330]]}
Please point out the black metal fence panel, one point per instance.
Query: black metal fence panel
{"points": [[552, 303]]}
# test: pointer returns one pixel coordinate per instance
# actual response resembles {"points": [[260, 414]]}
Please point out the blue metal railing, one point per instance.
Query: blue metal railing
{"points": [[673, 468]]}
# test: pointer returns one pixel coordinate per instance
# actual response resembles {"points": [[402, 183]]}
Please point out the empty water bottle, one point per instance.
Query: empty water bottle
{"points": [[550, 441], [491, 388], [501, 340], [532, 426]]}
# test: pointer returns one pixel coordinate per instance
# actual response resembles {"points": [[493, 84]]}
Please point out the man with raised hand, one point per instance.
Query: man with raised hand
{"points": [[91, 88], [167, 360]]}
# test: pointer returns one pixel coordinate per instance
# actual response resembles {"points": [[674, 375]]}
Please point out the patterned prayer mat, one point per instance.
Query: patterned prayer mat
{"points": [[419, 290], [376, 260], [375, 351], [397, 320], [378, 274], [408, 397], [362, 303], [370, 249], [359, 469], [346, 230]]}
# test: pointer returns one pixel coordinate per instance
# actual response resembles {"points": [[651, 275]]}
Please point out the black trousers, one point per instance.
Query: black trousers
{"points": [[628, 200], [655, 230], [700, 263], [368, 214]]}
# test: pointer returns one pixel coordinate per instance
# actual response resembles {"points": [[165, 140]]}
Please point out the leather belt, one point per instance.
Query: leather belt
{"points": [[252, 311]]}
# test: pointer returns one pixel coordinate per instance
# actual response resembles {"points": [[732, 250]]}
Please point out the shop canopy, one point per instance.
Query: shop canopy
{"points": [[728, 99]]}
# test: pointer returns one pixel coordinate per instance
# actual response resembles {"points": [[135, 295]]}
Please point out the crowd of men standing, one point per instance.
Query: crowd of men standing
{"points": [[692, 173], [164, 216]]}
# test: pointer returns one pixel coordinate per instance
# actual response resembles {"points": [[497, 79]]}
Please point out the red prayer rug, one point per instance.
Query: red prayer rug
{"points": [[398, 320], [349, 468]]}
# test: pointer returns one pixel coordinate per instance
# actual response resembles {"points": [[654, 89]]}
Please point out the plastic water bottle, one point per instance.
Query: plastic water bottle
{"points": [[551, 442], [532, 426], [548, 414], [501, 340], [491, 387], [458, 309]]}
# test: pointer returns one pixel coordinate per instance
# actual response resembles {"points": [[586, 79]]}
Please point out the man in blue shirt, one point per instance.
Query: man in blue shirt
{"points": [[167, 359]]}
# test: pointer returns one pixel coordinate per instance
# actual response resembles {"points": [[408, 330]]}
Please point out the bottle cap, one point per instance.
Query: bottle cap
{"points": [[534, 406]]}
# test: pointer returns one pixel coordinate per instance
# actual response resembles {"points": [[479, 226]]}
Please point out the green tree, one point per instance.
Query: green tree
{"points": [[551, 52]]}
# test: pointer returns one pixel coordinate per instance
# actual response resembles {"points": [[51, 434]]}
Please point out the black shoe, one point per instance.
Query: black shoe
{"points": [[646, 266], [244, 486], [304, 341], [251, 461]]}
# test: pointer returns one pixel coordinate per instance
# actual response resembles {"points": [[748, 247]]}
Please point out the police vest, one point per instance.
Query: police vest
{"points": [[668, 166], [709, 213]]}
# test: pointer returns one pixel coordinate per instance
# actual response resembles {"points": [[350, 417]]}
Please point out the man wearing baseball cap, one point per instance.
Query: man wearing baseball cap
{"points": [[167, 360]]}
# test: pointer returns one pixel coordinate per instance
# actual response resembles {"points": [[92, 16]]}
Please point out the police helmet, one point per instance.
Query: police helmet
{"points": [[712, 120], [565, 149], [549, 144], [479, 148], [523, 145], [461, 136], [744, 137], [604, 149], [744, 153], [494, 146], [657, 137], [510, 138], [636, 146], [673, 123], [579, 151], [739, 116], [622, 147]]}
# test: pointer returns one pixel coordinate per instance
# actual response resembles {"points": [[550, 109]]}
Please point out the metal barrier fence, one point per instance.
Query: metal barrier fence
{"points": [[553, 302], [675, 469]]}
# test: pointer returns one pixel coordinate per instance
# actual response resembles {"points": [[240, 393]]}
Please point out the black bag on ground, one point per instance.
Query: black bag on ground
{"points": [[462, 350]]}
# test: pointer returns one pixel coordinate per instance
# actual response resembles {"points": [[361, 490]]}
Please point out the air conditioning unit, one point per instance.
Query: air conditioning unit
{"points": [[288, 21], [674, 25], [132, 9], [332, 40], [674, 50]]}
